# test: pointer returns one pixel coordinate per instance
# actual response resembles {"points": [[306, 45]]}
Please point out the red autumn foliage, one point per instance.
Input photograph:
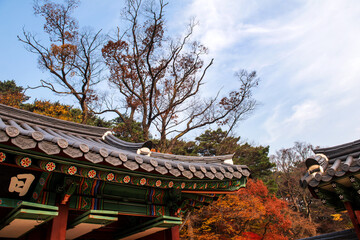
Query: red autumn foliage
{"points": [[250, 213]]}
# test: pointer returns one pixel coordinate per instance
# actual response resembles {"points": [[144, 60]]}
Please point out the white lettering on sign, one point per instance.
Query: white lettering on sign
{"points": [[21, 183]]}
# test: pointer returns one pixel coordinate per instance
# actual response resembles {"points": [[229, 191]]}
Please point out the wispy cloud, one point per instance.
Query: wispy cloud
{"points": [[308, 56]]}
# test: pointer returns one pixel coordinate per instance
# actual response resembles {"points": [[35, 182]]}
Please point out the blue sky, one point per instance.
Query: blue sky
{"points": [[307, 54]]}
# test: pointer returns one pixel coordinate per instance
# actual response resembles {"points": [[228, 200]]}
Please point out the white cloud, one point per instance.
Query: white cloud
{"points": [[308, 56], [303, 113]]}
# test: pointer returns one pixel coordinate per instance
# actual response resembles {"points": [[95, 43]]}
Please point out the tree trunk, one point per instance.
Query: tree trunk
{"points": [[146, 132], [307, 205], [295, 203], [163, 145], [85, 112]]}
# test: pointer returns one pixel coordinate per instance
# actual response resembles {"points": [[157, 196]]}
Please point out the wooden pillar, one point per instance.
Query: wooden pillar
{"points": [[173, 233], [59, 224], [357, 214], [353, 217]]}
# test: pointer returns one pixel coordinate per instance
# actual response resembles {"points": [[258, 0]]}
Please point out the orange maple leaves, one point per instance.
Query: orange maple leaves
{"points": [[251, 213]]}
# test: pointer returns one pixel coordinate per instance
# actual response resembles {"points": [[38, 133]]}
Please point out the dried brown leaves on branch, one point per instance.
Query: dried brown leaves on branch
{"points": [[290, 168], [72, 57], [160, 77]]}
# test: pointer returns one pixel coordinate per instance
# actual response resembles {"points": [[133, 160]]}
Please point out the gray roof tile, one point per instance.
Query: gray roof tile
{"points": [[28, 130]]}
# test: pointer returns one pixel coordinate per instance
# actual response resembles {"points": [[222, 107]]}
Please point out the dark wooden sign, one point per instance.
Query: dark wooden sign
{"points": [[17, 183]]}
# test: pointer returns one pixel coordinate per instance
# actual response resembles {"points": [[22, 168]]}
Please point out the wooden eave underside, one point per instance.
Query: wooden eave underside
{"points": [[339, 179], [340, 190]]}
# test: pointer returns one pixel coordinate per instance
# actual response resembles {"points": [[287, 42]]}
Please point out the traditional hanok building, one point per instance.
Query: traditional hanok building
{"points": [[334, 177], [62, 180]]}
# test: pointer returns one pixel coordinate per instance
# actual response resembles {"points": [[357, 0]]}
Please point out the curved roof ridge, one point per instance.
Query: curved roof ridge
{"points": [[220, 158], [109, 138], [339, 150]]}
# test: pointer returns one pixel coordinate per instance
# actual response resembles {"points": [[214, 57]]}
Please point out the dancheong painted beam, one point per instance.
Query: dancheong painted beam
{"points": [[84, 183]]}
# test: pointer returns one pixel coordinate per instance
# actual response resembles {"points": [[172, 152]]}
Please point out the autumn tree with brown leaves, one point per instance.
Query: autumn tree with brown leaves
{"points": [[71, 56], [64, 112], [290, 167], [159, 77]]}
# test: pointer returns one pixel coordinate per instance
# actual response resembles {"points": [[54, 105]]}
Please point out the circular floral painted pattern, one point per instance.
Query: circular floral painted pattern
{"points": [[42, 181], [91, 173], [25, 162], [143, 181], [126, 179], [35, 195], [110, 177], [158, 183], [50, 166], [2, 157], [171, 184], [72, 170], [183, 185]]}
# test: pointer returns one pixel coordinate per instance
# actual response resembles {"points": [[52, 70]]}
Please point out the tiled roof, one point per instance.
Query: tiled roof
{"points": [[27, 130], [333, 162]]}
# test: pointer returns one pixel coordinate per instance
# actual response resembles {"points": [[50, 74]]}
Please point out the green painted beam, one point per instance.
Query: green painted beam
{"points": [[9, 202], [126, 191], [22, 213], [104, 212], [346, 194], [30, 206], [121, 207], [15, 203], [355, 183], [129, 208], [96, 217], [38, 205], [329, 198], [33, 214]]}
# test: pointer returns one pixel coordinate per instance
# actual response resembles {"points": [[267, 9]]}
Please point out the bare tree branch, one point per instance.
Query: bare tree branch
{"points": [[71, 58], [159, 76]]}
